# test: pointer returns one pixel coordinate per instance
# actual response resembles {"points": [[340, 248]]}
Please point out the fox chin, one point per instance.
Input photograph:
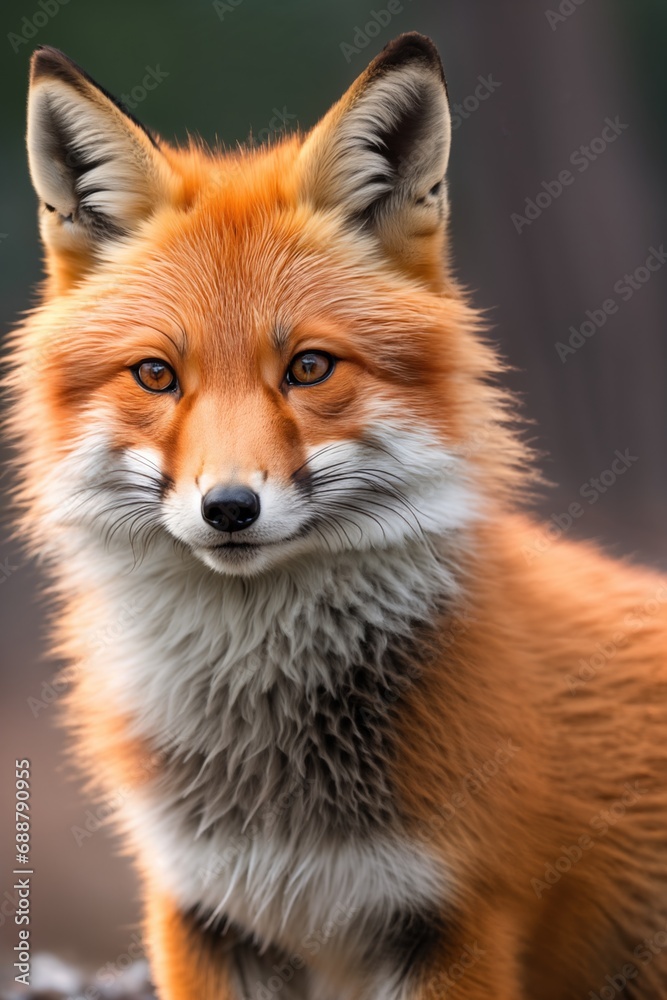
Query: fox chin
{"points": [[258, 424]]}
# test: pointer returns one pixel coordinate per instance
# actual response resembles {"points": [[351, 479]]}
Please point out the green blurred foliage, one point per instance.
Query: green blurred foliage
{"points": [[230, 65], [643, 26], [232, 68]]}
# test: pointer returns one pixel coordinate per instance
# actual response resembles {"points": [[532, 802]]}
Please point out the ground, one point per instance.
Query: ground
{"points": [[52, 979]]}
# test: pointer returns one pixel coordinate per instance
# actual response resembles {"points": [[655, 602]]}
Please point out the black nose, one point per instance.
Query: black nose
{"points": [[230, 508]]}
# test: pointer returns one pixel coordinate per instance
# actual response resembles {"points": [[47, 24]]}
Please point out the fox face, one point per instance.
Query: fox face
{"points": [[258, 356]]}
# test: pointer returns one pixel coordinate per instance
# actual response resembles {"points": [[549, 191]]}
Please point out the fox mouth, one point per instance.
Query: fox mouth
{"points": [[241, 558], [234, 552], [239, 548], [247, 548]]}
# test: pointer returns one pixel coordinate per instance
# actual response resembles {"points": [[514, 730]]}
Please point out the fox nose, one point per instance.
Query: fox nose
{"points": [[230, 508]]}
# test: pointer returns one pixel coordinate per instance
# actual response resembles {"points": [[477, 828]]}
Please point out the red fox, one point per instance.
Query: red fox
{"points": [[377, 744]]}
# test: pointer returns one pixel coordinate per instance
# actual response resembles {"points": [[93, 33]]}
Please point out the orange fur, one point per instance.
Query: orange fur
{"points": [[511, 673], [197, 286], [186, 965]]}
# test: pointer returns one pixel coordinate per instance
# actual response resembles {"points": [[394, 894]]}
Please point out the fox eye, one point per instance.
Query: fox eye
{"points": [[310, 367], [155, 375]]}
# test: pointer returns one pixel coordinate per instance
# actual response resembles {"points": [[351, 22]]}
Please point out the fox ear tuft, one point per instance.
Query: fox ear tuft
{"points": [[380, 154], [97, 171]]}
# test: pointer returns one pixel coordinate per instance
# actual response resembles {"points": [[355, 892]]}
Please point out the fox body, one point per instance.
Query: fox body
{"points": [[264, 454]]}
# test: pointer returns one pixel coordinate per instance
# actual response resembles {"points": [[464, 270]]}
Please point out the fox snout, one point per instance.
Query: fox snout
{"points": [[230, 508]]}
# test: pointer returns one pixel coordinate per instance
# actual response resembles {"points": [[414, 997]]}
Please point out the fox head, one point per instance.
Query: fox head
{"points": [[260, 355]]}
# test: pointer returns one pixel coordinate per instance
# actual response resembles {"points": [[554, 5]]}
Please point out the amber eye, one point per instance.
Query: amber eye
{"points": [[155, 375], [310, 367]]}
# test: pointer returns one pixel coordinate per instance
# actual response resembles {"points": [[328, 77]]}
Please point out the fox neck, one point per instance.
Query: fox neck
{"points": [[186, 654], [307, 623], [271, 702]]}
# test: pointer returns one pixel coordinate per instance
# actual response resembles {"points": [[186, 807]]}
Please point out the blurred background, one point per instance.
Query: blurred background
{"points": [[538, 87]]}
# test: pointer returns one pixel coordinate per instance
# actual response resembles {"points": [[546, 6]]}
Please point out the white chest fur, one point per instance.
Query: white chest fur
{"points": [[307, 897], [270, 701]]}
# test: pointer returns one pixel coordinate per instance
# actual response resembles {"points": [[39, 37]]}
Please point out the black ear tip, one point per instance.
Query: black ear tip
{"points": [[408, 48], [48, 61]]}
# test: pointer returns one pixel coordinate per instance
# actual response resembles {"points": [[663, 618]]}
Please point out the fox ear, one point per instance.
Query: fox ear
{"points": [[380, 154], [97, 172]]}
